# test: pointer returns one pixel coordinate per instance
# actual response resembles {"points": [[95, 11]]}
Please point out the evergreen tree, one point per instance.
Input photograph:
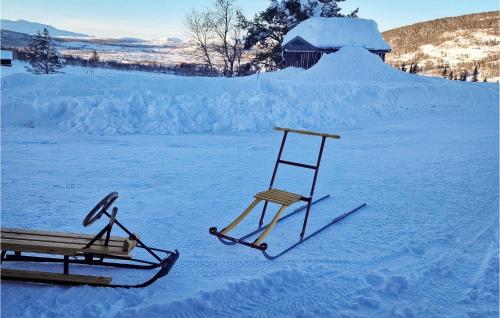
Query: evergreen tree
{"points": [[42, 55], [485, 80], [450, 77], [464, 75], [475, 74], [445, 72], [94, 59], [330, 8], [403, 67], [268, 28], [413, 69]]}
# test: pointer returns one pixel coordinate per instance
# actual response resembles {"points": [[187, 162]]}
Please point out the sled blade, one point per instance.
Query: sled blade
{"points": [[335, 220]]}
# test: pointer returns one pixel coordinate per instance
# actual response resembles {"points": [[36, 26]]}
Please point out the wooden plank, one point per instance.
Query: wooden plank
{"points": [[17, 274], [307, 132], [261, 237], [277, 199], [58, 239], [56, 248], [280, 193], [241, 217], [61, 234]]}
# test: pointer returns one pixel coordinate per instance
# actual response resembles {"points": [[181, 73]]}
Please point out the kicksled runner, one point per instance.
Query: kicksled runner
{"points": [[21, 245], [284, 199]]}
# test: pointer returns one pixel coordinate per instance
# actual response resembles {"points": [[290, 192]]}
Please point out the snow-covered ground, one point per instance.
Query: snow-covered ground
{"points": [[422, 153]]}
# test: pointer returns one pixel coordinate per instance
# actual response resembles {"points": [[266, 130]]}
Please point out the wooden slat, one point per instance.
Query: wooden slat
{"points": [[307, 132], [61, 234], [241, 217], [279, 196], [56, 248], [17, 274], [261, 237], [58, 239]]}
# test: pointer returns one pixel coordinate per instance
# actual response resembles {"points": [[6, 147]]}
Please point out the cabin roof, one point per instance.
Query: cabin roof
{"points": [[6, 55], [338, 32]]}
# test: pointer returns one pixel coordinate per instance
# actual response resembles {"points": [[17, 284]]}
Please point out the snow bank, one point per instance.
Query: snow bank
{"points": [[356, 64], [338, 32], [342, 88]]}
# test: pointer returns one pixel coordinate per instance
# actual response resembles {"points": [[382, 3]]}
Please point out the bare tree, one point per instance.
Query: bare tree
{"points": [[218, 34], [199, 29], [227, 26]]}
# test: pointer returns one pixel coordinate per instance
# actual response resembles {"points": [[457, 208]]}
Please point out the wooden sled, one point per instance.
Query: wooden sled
{"points": [[22, 245], [284, 199]]}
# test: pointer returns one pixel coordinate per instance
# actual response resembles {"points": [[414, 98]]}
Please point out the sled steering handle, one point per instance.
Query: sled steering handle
{"points": [[306, 132]]}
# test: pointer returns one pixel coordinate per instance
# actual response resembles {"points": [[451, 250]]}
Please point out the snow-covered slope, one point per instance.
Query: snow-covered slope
{"points": [[344, 87], [460, 43], [27, 27]]}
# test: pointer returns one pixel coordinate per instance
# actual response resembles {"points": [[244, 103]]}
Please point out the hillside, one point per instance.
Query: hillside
{"points": [[27, 27], [458, 42]]}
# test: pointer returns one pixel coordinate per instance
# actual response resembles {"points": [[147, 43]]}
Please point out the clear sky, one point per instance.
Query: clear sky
{"points": [[152, 19]]}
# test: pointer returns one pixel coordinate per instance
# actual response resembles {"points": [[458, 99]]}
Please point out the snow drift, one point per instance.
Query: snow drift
{"points": [[354, 64], [342, 88]]}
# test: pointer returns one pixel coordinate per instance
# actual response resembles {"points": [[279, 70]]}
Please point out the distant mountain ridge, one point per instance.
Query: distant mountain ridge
{"points": [[458, 43], [27, 27]]}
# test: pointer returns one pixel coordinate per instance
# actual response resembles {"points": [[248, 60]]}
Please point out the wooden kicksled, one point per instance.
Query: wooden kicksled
{"points": [[284, 199], [102, 249]]}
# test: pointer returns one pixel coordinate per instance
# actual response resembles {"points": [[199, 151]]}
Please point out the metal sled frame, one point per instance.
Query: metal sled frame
{"points": [[100, 250], [285, 199]]}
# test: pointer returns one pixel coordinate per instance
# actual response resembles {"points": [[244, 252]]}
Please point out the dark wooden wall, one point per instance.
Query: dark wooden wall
{"points": [[307, 59]]}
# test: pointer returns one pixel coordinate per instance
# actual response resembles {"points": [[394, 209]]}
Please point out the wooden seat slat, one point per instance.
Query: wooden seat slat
{"points": [[17, 274], [279, 196], [57, 248], [58, 234], [58, 239]]}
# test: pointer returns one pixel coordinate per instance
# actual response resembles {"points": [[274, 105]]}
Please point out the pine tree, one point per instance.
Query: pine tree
{"points": [[450, 77], [416, 69], [42, 54], [403, 67], [445, 72], [464, 75], [413, 69], [475, 74], [330, 8]]}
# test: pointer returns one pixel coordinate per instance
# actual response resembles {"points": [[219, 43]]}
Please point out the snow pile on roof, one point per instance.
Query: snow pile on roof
{"points": [[356, 64], [339, 32]]}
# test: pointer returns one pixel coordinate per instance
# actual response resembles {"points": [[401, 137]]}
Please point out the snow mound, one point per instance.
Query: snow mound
{"points": [[344, 88], [338, 32], [356, 64]]}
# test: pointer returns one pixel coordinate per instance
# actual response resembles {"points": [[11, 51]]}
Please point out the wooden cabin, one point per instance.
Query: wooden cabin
{"points": [[304, 45], [6, 58]]}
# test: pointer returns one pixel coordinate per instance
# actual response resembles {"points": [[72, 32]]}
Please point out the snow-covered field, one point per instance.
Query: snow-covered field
{"points": [[188, 153]]}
